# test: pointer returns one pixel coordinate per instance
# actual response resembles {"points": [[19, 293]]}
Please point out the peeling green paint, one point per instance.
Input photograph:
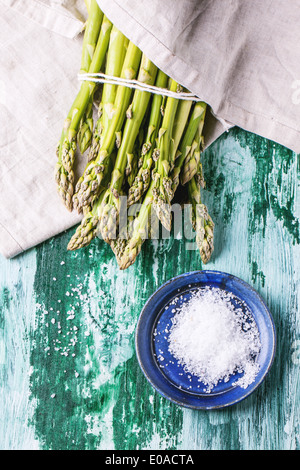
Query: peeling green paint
{"points": [[275, 183], [84, 355], [256, 274], [17, 313]]}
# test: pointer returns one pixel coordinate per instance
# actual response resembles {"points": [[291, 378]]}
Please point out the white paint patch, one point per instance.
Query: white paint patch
{"points": [[16, 408]]}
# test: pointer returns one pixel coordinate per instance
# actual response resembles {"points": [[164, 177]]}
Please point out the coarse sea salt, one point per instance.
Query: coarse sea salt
{"points": [[214, 337]]}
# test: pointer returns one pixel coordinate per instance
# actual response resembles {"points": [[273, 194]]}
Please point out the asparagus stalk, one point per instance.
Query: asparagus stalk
{"points": [[85, 131], [87, 204], [90, 185], [199, 174], [187, 144], [135, 115], [192, 160], [142, 179], [127, 252], [64, 174], [114, 62], [87, 230], [91, 35], [160, 174], [201, 221], [90, 38], [180, 123], [133, 158]]}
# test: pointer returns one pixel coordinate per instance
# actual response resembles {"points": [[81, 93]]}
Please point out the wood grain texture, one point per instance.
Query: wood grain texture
{"points": [[68, 372]]}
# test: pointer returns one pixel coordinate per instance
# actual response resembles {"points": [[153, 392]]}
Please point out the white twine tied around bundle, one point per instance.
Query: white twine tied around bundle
{"points": [[103, 78], [180, 95]]}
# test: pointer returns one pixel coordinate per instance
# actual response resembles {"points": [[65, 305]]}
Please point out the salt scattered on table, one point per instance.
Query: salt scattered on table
{"points": [[213, 338]]}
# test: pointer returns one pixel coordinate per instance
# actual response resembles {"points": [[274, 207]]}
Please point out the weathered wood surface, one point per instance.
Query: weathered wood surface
{"points": [[69, 377]]}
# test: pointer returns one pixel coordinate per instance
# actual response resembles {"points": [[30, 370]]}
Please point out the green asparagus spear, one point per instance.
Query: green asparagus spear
{"points": [[91, 35], [64, 174], [187, 144], [90, 38], [133, 158], [90, 184], [85, 131], [142, 180], [114, 63], [115, 57], [130, 249], [135, 115], [160, 174], [87, 230], [180, 124], [201, 221], [192, 160]]}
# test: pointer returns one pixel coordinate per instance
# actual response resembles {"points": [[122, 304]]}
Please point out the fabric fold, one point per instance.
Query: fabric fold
{"points": [[51, 15]]}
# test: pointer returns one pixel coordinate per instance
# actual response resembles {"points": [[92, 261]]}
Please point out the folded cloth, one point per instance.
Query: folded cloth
{"points": [[40, 53], [242, 58]]}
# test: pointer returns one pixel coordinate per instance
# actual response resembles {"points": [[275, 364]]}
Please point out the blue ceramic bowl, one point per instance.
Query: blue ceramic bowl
{"points": [[155, 319]]}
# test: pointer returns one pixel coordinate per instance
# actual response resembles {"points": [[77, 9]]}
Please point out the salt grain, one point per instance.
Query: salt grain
{"points": [[214, 339]]}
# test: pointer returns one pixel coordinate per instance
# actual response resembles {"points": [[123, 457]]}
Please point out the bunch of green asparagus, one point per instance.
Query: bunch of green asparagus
{"points": [[140, 145]]}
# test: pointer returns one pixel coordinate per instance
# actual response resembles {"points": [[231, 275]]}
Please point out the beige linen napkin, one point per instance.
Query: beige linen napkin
{"points": [[40, 53], [240, 57]]}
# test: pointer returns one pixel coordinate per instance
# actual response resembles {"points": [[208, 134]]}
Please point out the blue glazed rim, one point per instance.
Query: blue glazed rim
{"points": [[153, 309]]}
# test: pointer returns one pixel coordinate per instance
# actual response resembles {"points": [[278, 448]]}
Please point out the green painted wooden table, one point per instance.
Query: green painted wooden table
{"points": [[69, 376]]}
